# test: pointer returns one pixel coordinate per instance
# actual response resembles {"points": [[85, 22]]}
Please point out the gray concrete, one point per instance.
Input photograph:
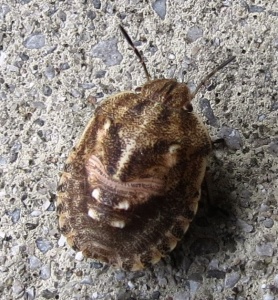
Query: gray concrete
{"points": [[57, 60]]}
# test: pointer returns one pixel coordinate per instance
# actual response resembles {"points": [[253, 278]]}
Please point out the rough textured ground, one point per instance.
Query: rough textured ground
{"points": [[57, 58]]}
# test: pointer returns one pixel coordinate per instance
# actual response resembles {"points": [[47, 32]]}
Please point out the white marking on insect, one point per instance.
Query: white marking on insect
{"points": [[131, 145], [173, 148], [123, 205], [93, 214], [98, 176], [118, 223], [107, 125], [96, 193]]}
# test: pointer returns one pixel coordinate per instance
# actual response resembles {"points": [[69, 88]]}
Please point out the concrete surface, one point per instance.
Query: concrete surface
{"points": [[57, 58]]}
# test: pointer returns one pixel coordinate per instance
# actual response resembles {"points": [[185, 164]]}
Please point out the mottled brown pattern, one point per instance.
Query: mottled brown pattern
{"points": [[105, 206]]}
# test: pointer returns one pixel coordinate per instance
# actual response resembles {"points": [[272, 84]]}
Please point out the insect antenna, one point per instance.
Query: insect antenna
{"points": [[127, 37], [206, 78]]}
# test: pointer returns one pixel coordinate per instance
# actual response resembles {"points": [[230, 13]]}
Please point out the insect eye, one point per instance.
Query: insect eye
{"points": [[188, 107], [138, 89]]}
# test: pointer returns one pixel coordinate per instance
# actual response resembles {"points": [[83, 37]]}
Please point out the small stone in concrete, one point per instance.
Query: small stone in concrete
{"points": [[244, 226], [108, 52], [100, 74], [273, 148], [194, 33], [35, 41], [155, 295], [47, 294], [256, 9], [47, 91], [17, 288], [15, 215], [4, 10], [49, 72], [45, 272], [265, 249], [268, 223], [44, 245], [91, 14], [232, 137], [64, 66], [96, 4], [159, 6], [231, 279], [34, 263], [206, 109]]}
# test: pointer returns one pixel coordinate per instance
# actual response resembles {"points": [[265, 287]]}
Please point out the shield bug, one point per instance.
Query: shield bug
{"points": [[131, 185]]}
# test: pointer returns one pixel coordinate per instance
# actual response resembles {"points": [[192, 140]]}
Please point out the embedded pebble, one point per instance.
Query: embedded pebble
{"points": [[36, 213], [232, 137], [130, 284], [96, 4], [35, 41], [46, 205], [182, 296], [95, 295], [207, 111], [261, 117], [75, 93], [193, 286], [123, 295], [44, 245], [17, 288], [96, 265], [110, 58], [268, 297], [244, 226], [49, 72], [47, 294], [100, 74], [3, 161], [86, 86], [265, 249], [15, 215], [216, 274], [214, 264], [17, 146], [194, 33], [87, 280], [120, 275], [264, 208], [34, 263], [45, 272], [47, 91], [62, 15], [64, 66], [268, 223], [231, 279], [30, 293], [256, 9], [156, 295], [162, 281], [159, 6], [62, 241], [4, 10], [91, 14], [273, 148], [79, 256], [275, 281]]}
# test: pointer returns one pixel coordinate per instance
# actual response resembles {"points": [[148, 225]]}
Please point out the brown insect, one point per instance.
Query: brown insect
{"points": [[131, 185]]}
